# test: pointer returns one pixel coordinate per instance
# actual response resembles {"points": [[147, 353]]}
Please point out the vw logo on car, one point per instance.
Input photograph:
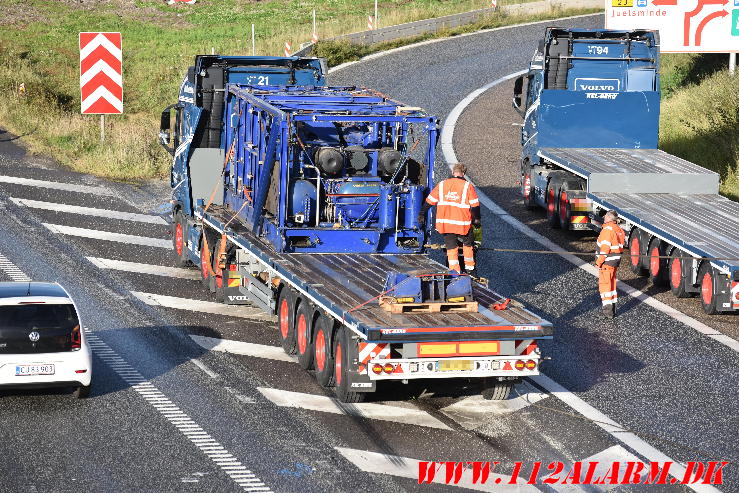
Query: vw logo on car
{"points": [[34, 336]]}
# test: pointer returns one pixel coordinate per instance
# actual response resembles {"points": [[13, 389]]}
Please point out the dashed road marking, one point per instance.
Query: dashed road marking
{"points": [[108, 236], [243, 348], [138, 268], [604, 461], [473, 411], [383, 412], [11, 270], [89, 211], [205, 368], [55, 185], [406, 467], [240, 311], [216, 452]]}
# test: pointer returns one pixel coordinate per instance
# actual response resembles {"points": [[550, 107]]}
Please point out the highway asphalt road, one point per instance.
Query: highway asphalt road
{"points": [[168, 414]]}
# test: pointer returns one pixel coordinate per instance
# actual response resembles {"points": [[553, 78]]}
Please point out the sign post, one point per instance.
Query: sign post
{"points": [[101, 75]]}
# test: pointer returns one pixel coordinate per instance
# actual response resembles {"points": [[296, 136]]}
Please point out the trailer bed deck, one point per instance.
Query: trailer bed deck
{"points": [[343, 282]]}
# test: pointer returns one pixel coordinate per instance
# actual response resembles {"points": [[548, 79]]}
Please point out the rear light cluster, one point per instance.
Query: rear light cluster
{"points": [[528, 365], [76, 337], [387, 368]]}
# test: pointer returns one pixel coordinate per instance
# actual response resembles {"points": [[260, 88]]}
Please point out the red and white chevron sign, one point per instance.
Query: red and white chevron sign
{"points": [[101, 79]]}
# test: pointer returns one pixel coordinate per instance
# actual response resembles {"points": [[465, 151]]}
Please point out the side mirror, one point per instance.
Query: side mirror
{"points": [[165, 136], [517, 91]]}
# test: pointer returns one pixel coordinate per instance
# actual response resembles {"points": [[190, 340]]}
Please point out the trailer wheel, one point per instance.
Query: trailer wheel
{"points": [[526, 191], [303, 318], [657, 265], [635, 260], [341, 370], [323, 357], [565, 209], [497, 390], [552, 196], [179, 244], [708, 288], [285, 317], [677, 279], [205, 254]]}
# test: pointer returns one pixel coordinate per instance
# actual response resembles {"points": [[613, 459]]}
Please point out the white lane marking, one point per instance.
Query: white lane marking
{"points": [[205, 368], [447, 147], [406, 467], [11, 270], [238, 473], [56, 185], [605, 460], [441, 40], [405, 415], [243, 348], [240, 311], [108, 236], [135, 267], [244, 399], [89, 211], [471, 412], [614, 429]]}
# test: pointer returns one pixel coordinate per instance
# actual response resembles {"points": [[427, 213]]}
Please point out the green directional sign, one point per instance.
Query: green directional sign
{"points": [[735, 22]]}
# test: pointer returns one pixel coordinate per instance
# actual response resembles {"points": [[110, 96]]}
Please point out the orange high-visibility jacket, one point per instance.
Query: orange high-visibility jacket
{"points": [[610, 245], [453, 199]]}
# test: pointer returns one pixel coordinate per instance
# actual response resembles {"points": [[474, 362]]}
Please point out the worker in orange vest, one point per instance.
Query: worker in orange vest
{"points": [[610, 246], [457, 210]]}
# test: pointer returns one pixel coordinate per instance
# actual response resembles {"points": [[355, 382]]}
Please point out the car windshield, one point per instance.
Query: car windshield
{"points": [[38, 316]]}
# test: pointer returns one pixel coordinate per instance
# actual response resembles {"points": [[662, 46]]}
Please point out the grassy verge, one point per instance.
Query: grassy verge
{"points": [[38, 48], [700, 115]]}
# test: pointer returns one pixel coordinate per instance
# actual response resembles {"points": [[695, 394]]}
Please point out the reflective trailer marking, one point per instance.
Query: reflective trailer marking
{"points": [[240, 311], [397, 414], [89, 211], [108, 236], [157, 270], [55, 185]]}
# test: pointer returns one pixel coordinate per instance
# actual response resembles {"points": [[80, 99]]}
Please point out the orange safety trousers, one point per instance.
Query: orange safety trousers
{"points": [[607, 285], [452, 256]]}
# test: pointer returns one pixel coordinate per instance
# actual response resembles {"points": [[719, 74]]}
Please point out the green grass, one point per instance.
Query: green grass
{"points": [[700, 115]]}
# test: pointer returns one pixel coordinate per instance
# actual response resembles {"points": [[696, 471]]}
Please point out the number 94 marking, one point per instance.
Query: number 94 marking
{"points": [[597, 50]]}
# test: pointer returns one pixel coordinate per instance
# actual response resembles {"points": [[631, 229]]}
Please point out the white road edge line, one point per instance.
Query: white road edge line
{"points": [[56, 185], [89, 211], [137, 268], [406, 467], [243, 348], [108, 236], [447, 147], [240, 311], [369, 410]]}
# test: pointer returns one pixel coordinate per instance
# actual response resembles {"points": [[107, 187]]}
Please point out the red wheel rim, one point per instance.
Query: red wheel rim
{"points": [[178, 239], [707, 288], [320, 350], [302, 333], [635, 251], [654, 261], [337, 364], [676, 273], [204, 262], [284, 319], [526, 186], [550, 203], [563, 208]]}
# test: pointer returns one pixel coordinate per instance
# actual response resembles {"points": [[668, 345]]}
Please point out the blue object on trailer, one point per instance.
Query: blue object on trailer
{"points": [[429, 287]]}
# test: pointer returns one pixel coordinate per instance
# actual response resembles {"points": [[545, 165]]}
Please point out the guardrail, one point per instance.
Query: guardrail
{"points": [[437, 24]]}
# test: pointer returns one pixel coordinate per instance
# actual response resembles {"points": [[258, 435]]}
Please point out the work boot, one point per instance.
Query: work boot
{"points": [[609, 311]]}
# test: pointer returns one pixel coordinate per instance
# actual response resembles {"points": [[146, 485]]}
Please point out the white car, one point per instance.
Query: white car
{"points": [[42, 343]]}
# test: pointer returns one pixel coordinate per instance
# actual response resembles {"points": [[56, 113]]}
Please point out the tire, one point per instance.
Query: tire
{"points": [[219, 281], [657, 266], [497, 390], [323, 357], [677, 279], [285, 318], [179, 243], [565, 209], [635, 260], [205, 253], [552, 206], [707, 283], [303, 322], [82, 392], [341, 365], [526, 190]]}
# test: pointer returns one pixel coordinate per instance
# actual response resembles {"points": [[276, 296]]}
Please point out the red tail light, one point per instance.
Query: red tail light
{"points": [[388, 368], [76, 337], [232, 267], [520, 365], [376, 369], [531, 365]]}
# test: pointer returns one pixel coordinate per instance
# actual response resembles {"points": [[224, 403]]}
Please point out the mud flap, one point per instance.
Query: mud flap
{"points": [[358, 382]]}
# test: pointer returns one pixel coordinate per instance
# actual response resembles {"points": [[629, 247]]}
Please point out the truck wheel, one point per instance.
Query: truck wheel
{"points": [[526, 190], [179, 243], [323, 357], [677, 279], [285, 317], [635, 260], [497, 390], [657, 265], [565, 209], [552, 209], [341, 370], [205, 254], [303, 319], [708, 288]]}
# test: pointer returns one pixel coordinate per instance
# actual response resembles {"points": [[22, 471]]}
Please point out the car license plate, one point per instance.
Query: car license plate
{"points": [[27, 370], [456, 365]]}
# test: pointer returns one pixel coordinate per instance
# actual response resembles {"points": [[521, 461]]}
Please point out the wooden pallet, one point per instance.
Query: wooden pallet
{"points": [[436, 307]]}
